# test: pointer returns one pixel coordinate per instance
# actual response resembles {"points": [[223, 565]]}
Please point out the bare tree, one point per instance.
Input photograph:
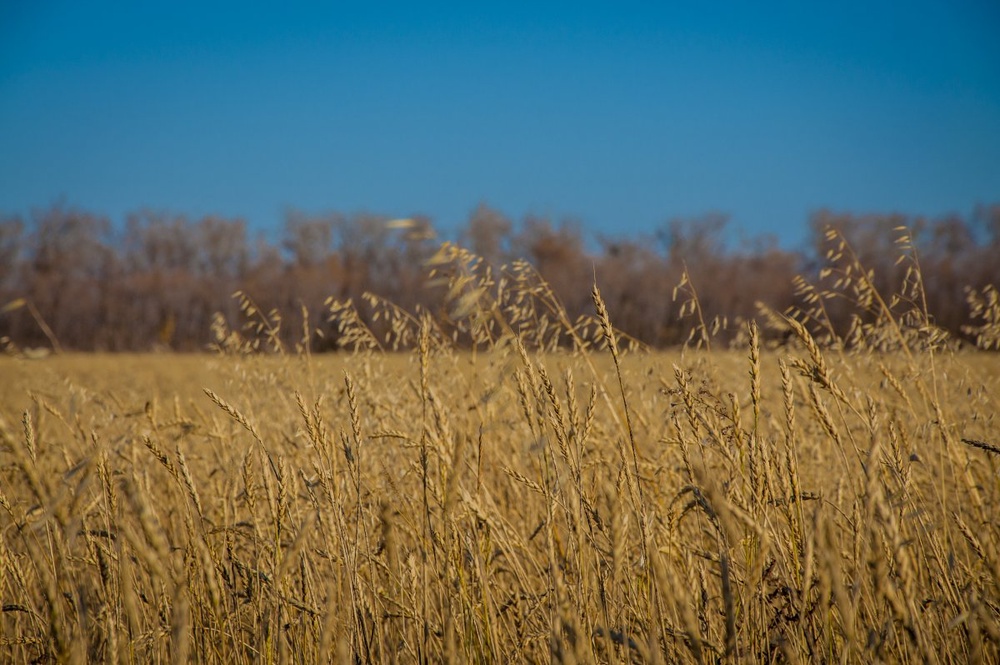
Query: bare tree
{"points": [[488, 234]]}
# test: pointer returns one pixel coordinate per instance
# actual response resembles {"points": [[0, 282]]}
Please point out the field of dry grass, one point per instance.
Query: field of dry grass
{"points": [[805, 503]]}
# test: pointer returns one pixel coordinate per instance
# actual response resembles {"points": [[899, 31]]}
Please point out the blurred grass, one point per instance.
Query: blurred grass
{"points": [[557, 493]]}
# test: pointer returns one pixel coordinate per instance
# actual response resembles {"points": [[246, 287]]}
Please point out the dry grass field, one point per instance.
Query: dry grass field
{"points": [[811, 502]]}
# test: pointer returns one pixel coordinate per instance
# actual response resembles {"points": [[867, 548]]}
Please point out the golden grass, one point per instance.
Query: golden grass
{"points": [[802, 504]]}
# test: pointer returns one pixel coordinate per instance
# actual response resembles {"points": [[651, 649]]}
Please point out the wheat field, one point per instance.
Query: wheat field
{"points": [[566, 496]]}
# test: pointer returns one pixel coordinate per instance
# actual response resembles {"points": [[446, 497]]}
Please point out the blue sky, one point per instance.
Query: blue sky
{"points": [[619, 115]]}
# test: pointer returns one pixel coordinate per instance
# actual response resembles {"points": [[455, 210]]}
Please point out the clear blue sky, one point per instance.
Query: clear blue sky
{"points": [[617, 114]]}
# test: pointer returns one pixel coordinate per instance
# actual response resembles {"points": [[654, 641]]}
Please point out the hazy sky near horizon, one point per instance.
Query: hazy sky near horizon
{"points": [[619, 115]]}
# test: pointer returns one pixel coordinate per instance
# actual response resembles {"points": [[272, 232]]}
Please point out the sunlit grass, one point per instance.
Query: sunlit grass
{"points": [[550, 495]]}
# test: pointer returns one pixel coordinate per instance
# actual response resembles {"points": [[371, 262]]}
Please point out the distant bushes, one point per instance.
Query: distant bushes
{"points": [[71, 279]]}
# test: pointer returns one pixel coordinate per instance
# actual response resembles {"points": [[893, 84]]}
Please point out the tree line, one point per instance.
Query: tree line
{"points": [[73, 280]]}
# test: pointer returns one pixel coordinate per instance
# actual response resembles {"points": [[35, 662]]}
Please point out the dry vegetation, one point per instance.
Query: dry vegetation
{"points": [[555, 493], [72, 280]]}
